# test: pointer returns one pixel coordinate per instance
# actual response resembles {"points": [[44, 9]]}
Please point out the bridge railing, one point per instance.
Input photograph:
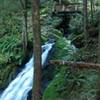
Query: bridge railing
{"points": [[72, 7]]}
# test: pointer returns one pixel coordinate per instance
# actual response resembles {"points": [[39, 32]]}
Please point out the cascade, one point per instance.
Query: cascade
{"points": [[19, 88]]}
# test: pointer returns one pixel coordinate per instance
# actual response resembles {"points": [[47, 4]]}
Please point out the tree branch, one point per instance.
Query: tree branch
{"points": [[76, 64]]}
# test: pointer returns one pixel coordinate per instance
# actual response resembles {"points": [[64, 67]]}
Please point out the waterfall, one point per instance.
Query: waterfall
{"points": [[18, 89]]}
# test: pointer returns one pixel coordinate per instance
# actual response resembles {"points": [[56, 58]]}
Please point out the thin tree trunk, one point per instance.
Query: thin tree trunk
{"points": [[25, 30], [99, 41], [91, 3], [85, 17], [60, 1], [36, 95], [24, 33]]}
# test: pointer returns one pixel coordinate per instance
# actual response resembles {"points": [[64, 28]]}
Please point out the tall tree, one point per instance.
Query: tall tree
{"points": [[85, 16], [37, 50], [92, 3], [99, 41], [24, 33], [60, 1]]}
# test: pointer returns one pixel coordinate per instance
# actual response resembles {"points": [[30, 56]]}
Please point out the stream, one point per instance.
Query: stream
{"points": [[19, 88]]}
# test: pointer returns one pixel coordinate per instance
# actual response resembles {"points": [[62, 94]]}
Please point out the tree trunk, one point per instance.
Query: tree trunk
{"points": [[60, 1], [85, 17], [36, 95], [24, 33], [25, 30], [76, 64], [92, 3], [99, 41]]}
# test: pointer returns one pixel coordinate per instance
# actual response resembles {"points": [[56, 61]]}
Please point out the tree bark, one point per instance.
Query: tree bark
{"points": [[25, 30], [24, 33], [99, 41], [92, 3], [76, 64], [85, 17], [36, 95]]}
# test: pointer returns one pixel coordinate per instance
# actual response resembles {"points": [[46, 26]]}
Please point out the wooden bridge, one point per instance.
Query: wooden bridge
{"points": [[70, 8]]}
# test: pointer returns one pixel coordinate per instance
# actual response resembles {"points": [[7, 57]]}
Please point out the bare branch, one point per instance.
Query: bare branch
{"points": [[76, 64]]}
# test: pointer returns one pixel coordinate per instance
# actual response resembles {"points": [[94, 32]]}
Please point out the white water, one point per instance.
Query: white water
{"points": [[18, 89]]}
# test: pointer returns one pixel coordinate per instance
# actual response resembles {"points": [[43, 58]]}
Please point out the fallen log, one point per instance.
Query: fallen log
{"points": [[76, 64]]}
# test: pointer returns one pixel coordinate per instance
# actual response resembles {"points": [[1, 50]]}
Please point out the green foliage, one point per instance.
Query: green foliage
{"points": [[10, 57], [6, 75], [3, 59], [68, 83], [53, 90], [10, 6], [76, 24], [65, 49], [10, 41], [10, 48], [53, 21], [9, 25], [73, 84], [48, 28], [66, 2]]}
